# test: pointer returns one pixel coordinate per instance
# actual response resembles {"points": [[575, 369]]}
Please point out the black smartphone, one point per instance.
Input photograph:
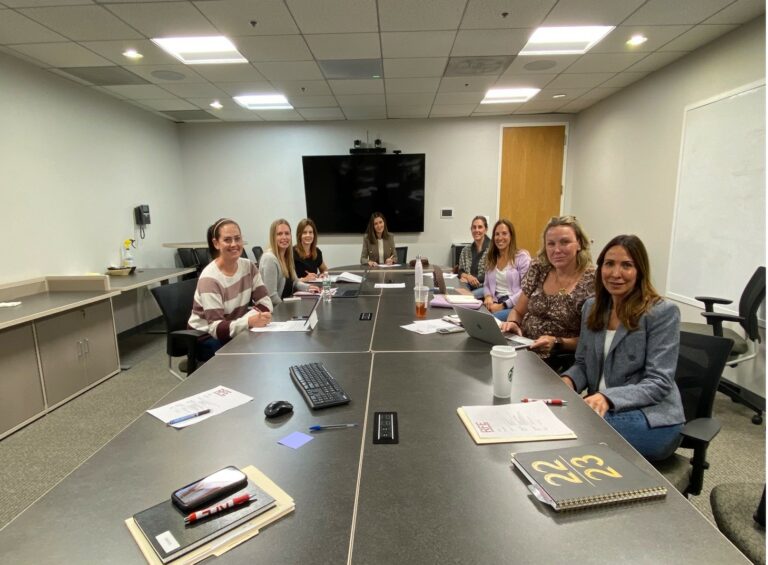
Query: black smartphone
{"points": [[209, 489]]}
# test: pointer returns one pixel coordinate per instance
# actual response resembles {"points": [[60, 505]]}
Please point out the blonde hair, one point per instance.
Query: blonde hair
{"points": [[285, 259], [583, 257]]}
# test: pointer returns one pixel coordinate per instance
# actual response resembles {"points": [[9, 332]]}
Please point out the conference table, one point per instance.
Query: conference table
{"points": [[435, 497]]}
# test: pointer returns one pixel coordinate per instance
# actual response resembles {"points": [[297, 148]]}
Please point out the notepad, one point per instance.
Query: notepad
{"points": [[507, 423]]}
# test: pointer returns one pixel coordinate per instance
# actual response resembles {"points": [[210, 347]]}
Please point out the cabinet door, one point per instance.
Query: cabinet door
{"points": [[62, 355], [21, 394], [101, 349]]}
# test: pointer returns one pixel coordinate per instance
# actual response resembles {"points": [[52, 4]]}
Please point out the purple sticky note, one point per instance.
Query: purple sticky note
{"points": [[295, 440]]}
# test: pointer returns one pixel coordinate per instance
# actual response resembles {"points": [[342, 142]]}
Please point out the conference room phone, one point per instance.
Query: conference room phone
{"points": [[141, 214]]}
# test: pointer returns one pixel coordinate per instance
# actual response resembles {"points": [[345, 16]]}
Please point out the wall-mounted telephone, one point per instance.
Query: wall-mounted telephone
{"points": [[142, 215]]}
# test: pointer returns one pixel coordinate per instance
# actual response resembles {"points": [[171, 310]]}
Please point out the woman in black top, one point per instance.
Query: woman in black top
{"points": [[472, 258], [307, 257]]}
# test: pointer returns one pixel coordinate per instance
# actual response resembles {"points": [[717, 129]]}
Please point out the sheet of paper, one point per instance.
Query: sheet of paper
{"points": [[389, 285], [217, 400], [532, 419], [446, 276], [295, 440], [426, 327], [312, 294], [385, 266], [347, 277], [9, 304], [288, 326]]}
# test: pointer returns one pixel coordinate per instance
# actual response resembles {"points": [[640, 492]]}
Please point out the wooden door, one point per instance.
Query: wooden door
{"points": [[531, 180]]}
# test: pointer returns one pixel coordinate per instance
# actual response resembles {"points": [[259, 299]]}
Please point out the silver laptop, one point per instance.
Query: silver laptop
{"points": [[483, 326]]}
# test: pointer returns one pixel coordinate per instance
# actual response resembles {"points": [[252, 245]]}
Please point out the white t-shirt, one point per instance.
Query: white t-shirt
{"points": [[609, 335], [502, 288], [382, 259]]}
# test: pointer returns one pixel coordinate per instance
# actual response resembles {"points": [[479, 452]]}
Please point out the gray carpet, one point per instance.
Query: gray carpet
{"points": [[37, 457]]}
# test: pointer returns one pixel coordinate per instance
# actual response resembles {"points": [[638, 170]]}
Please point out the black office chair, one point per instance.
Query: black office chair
{"points": [[402, 254], [175, 301], [744, 349], [187, 257], [257, 253], [203, 256], [739, 513], [700, 363]]}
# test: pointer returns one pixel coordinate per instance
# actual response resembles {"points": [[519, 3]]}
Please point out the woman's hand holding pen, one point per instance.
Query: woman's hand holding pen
{"points": [[371, 263], [310, 277], [259, 319], [390, 260]]}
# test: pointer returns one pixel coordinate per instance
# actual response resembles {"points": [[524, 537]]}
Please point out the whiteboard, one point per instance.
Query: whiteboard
{"points": [[718, 234]]}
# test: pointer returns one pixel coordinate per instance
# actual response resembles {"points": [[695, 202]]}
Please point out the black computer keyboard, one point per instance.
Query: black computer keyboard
{"points": [[318, 387]]}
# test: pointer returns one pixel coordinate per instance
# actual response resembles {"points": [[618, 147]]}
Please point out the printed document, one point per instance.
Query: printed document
{"points": [[217, 400]]}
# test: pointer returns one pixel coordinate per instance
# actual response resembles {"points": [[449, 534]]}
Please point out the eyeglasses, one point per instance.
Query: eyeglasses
{"points": [[230, 240]]}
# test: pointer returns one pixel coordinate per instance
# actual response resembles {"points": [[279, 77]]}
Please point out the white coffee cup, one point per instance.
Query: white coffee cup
{"points": [[503, 367]]}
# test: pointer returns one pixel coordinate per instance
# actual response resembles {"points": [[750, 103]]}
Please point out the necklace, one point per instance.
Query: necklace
{"points": [[563, 290]]}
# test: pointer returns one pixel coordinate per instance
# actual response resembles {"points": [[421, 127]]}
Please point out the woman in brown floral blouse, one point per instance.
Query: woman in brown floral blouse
{"points": [[555, 289]]}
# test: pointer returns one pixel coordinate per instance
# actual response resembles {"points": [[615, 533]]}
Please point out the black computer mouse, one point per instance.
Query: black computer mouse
{"points": [[278, 408]]}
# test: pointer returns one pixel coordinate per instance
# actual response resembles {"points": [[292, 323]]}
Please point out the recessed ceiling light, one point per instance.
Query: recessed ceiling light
{"points": [[200, 50], [558, 96], [564, 40], [636, 40], [509, 95], [216, 104], [263, 102], [132, 54]]}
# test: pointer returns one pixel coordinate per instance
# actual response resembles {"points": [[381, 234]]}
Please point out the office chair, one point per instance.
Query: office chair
{"points": [[744, 349], [402, 254], [187, 257], [700, 363], [203, 256], [739, 513], [257, 253], [175, 301]]}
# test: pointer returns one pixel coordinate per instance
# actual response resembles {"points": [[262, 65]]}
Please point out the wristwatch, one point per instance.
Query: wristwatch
{"points": [[558, 343]]}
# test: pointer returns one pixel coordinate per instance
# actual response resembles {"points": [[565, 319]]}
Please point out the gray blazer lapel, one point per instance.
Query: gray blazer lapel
{"points": [[598, 352]]}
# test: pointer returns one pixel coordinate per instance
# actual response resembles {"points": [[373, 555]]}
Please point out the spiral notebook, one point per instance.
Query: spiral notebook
{"points": [[584, 476]]}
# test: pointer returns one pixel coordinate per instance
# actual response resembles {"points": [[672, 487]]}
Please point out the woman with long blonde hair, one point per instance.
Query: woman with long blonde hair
{"points": [[277, 267]]}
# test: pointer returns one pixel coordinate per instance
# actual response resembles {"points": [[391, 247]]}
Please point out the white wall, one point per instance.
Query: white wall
{"points": [[73, 164], [626, 149], [253, 173]]}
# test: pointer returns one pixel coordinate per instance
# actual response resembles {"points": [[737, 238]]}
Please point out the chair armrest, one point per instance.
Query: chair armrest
{"points": [[716, 319], [701, 429], [710, 300]]}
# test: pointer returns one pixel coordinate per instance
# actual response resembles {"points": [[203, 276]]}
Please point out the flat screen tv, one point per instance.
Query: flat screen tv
{"points": [[342, 191]]}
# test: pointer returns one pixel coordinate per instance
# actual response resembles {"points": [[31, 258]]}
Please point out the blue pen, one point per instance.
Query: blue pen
{"points": [[189, 417], [331, 427]]}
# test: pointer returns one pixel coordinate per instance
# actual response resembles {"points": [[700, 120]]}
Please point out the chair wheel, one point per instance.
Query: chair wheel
{"points": [[757, 419]]}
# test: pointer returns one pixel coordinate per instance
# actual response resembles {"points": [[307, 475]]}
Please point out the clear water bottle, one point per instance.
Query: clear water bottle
{"points": [[418, 272], [327, 288]]}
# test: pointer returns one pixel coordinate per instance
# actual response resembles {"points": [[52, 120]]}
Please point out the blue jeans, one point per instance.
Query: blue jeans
{"points": [[653, 443], [502, 314], [478, 292], [208, 348]]}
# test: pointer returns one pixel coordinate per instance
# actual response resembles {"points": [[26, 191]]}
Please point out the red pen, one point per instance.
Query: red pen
{"points": [[216, 508], [550, 401]]}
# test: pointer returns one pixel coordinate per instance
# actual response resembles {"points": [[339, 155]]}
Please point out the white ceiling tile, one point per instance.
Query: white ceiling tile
{"points": [[139, 91], [655, 61], [579, 80], [418, 67], [570, 94], [358, 100], [169, 104], [229, 73], [591, 12], [322, 113], [82, 23], [698, 36], [739, 12], [113, 50], [605, 62], [451, 110], [551, 64], [358, 86], [336, 16], [407, 15], [236, 115], [273, 48], [405, 85], [666, 12], [103, 90], [496, 108], [244, 88], [523, 81], [482, 112], [459, 98], [16, 28], [280, 116], [41, 3], [62, 55], [417, 44], [164, 19], [378, 113], [577, 106], [489, 42], [194, 90], [63, 74], [205, 103], [487, 14], [345, 46], [188, 74], [624, 79], [421, 111], [466, 84], [312, 102], [302, 87], [290, 70], [599, 93], [409, 99], [616, 41], [540, 107], [233, 18]]}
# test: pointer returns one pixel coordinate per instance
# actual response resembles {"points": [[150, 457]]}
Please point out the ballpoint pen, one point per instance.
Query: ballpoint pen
{"points": [[189, 416], [331, 427], [211, 510], [550, 401]]}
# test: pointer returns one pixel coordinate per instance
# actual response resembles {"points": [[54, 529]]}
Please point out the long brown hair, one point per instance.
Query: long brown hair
{"points": [[583, 257], [493, 256], [299, 247], [639, 300], [286, 261], [370, 233], [213, 233]]}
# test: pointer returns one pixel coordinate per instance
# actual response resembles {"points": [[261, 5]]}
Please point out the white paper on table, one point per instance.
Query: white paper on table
{"points": [[426, 327], [445, 275], [531, 419], [386, 266], [389, 285], [217, 400], [347, 277], [312, 294]]}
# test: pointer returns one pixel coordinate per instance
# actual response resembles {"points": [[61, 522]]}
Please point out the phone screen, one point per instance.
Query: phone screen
{"points": [[211, 488]]}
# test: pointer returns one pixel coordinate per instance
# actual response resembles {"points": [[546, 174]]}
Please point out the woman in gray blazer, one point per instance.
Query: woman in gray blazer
{"points": [[378, 243], [627, 352]]}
